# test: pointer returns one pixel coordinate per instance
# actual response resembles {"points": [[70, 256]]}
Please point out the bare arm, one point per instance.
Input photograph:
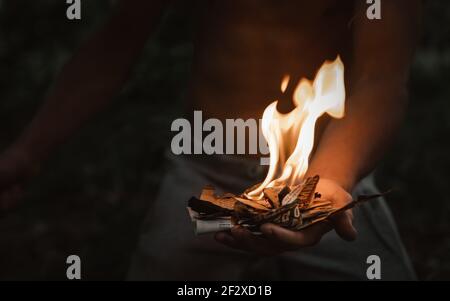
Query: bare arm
{"points": [[86, 84], [377, 96], [350, 148], [92, 77]]}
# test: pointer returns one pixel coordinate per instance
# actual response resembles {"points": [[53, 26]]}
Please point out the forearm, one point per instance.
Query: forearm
{"points": [[87, 82], [83, 88], [351, 147]]}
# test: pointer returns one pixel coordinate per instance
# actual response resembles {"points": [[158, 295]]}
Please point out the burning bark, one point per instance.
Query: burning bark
{"points": [[294, 209], [284, 197]]}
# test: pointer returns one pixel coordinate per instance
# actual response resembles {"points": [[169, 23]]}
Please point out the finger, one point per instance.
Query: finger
{"points": [[252, 243], [303, 238], [343, 224], [226, 239]]}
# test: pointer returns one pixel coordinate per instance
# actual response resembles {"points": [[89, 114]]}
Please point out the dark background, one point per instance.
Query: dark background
{"points": [[92, 195]]}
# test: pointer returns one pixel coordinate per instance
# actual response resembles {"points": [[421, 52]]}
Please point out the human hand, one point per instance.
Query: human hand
{"points": [[276, 239]]}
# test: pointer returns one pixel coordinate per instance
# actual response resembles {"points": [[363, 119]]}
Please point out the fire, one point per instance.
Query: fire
{"points": [[291, 136], [284, 83]]}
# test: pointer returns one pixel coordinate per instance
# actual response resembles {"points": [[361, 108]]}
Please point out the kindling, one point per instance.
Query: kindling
{"points": [[231, 138]]}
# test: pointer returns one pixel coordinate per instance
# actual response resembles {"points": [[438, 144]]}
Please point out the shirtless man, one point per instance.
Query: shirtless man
{"points": [[242, 50]]}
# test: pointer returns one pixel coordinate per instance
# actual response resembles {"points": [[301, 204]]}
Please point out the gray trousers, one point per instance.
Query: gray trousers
{"points": [[169, 250]]}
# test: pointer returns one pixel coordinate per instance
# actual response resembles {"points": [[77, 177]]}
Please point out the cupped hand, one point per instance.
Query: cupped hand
{"points": [[276, 239]]}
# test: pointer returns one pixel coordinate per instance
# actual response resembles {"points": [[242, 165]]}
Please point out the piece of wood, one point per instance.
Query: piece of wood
{"points": [[252, 204], [298, 209], [204, 207], [271, 194], [307, 192], [208, 195], [302, 192]]}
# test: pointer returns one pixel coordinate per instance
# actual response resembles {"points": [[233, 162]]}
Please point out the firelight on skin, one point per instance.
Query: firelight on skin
{"points": [[293, 133]]}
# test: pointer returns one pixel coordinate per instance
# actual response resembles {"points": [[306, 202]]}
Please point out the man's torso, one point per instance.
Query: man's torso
{"points": [[244, 48]]}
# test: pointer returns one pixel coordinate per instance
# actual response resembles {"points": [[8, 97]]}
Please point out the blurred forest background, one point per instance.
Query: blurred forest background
{"points": [[92, 195]]}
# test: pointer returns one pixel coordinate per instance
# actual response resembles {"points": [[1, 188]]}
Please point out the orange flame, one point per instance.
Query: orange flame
{"points": [[325, 95], [285, 83]]}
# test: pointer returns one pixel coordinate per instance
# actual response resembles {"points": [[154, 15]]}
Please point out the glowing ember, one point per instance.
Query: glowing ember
{"points": [[291, 136]]}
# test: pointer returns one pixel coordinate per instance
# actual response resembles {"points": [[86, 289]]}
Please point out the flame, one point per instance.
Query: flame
{"points": [[284, 83], [293, 133]]}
